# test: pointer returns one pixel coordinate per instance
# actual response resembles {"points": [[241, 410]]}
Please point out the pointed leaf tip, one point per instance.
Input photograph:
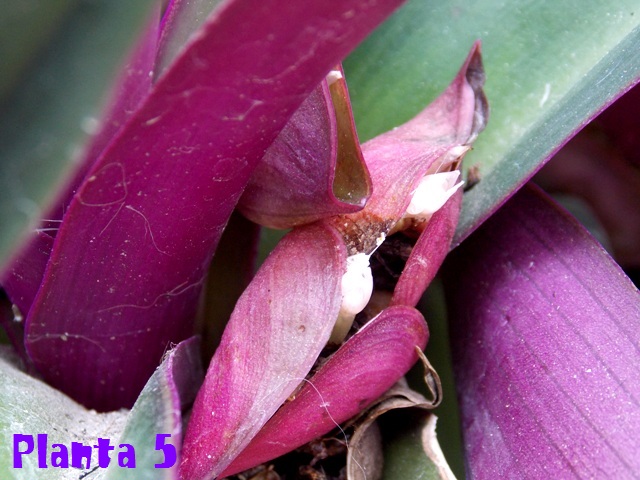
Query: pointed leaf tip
{"points": [[475, 77], [314, 169], [352, 182], [433, 141]]}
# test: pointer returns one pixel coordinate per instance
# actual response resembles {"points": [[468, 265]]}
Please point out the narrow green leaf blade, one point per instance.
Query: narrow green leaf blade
{"points": [[550, 68], [25, 29], [157, 412]]}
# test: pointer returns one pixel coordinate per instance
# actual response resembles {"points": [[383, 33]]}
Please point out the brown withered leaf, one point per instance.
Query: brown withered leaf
{"points": [[365, 455]]}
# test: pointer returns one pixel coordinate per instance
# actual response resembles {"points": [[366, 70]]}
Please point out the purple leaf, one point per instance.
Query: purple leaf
{"points": [[545, 338], [275, 334], [365, 367], [22, 276], [130, 257], [314, 169]]}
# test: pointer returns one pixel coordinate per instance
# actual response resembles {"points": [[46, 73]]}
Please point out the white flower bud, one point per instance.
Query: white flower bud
{"points": [[357, 284], [432, 193], [357, 287]]}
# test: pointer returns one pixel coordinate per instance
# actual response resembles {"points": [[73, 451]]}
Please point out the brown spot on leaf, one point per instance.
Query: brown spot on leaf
{"points": [[473, 177], [361, 231]]}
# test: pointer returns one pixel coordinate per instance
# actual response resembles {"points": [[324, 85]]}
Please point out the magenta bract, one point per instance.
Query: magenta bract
{"points": [[432, 142], [257, 367], [428, 253], [314, 169], [365, 367], [275, 334], [400, 158]]}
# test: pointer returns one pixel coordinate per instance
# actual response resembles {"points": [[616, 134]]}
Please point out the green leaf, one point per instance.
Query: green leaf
{"points": [[551, 66], [438, 351], [41, 124], [411, 450], [29, 407], [158, 412], [25, 29]]}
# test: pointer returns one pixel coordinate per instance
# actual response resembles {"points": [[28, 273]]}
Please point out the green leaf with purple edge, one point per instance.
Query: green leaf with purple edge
{"points": [[44, 121], [158, 411], [131, 233], [550, 67], [545, 339], [28, 406]]}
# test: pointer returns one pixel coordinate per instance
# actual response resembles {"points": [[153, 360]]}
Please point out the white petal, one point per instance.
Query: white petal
{"points": [[432, 193], [357, 285]]}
